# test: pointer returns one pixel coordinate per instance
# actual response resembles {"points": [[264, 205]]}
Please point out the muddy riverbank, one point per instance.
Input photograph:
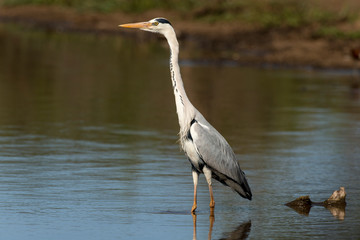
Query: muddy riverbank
{"points": [[217, 41]]}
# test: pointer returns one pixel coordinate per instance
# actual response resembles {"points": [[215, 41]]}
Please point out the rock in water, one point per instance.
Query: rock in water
{"points": [[337, 198], [335, 204], [301, 205]]}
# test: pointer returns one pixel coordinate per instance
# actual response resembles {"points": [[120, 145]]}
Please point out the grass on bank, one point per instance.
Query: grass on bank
{"points": [[267, 14]]}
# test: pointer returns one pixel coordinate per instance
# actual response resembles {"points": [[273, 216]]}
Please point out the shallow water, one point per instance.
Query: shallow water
{"points": [[88, 143]]}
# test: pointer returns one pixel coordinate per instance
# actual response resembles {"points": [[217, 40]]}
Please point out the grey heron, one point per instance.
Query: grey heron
{"points": [[207, 150]]}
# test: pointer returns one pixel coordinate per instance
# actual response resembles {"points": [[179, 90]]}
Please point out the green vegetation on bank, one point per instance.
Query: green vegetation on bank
{"points": [[266, 14]]}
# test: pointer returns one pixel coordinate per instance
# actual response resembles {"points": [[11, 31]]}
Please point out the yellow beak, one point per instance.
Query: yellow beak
{"points": [[136, 25]]}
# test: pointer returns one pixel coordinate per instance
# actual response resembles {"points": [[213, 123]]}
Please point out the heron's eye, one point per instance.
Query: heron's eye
{"points": [[155, 23]]}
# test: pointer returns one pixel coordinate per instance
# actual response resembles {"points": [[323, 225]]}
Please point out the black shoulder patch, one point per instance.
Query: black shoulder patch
{"points": [[192, 122], [189, 134], [163, 20]]}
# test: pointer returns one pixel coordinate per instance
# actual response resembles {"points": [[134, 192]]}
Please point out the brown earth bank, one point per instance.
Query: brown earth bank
{"points": [[242, 43]]}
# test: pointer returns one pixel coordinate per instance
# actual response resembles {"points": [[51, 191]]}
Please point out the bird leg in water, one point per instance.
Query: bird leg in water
{"points": [[195, 175], [211, 221], [194, 224], [207, 173]]}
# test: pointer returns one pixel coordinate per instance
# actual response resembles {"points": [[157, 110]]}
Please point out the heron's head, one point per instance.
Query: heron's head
{"points": [[157, 25]]}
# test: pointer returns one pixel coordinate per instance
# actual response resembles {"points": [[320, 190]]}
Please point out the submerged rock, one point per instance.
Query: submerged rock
{"points": [[301, 205], [335, 204]]}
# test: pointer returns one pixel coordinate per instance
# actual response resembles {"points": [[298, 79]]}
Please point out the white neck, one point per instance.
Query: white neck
{"points": [[184, 108]]}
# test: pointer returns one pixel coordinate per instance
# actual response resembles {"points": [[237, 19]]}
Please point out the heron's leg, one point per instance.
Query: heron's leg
{"points": [[194, 225], [195, 175], [211, 219], [207, 173]]}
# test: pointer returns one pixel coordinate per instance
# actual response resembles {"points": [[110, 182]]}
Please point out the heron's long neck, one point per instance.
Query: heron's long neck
{"points": [[184, 108]]}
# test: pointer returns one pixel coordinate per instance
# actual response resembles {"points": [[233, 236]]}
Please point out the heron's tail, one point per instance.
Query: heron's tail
{"points": [[240, 185], [242, 188]]}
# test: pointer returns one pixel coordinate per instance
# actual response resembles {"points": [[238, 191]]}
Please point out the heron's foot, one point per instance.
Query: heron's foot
{"points": [[193, 208], [212, 204]]}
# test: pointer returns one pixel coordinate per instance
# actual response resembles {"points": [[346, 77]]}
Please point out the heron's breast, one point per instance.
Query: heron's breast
{"points": [[192, 154]]}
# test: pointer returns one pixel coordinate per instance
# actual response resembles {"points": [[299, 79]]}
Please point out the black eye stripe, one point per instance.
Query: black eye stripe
{"points": [[163, 20]]}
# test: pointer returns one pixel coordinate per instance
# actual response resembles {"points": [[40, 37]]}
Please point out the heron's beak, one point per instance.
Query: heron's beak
{"points": [[141, 25]]}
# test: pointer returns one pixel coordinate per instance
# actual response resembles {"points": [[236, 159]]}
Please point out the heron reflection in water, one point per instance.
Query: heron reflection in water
{"points": [[241, 232], [207, 150]]}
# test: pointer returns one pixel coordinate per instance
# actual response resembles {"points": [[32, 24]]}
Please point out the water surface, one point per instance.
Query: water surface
{"points": [[88, 143]]}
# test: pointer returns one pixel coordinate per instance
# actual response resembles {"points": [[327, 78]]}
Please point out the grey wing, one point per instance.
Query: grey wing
{"points": [[217, 154]]}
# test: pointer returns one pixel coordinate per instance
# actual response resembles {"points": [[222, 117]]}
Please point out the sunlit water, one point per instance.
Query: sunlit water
{"points": [[88, 143]]}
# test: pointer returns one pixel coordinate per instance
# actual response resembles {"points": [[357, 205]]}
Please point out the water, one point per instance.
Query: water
{"points": [[88, 143]]}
